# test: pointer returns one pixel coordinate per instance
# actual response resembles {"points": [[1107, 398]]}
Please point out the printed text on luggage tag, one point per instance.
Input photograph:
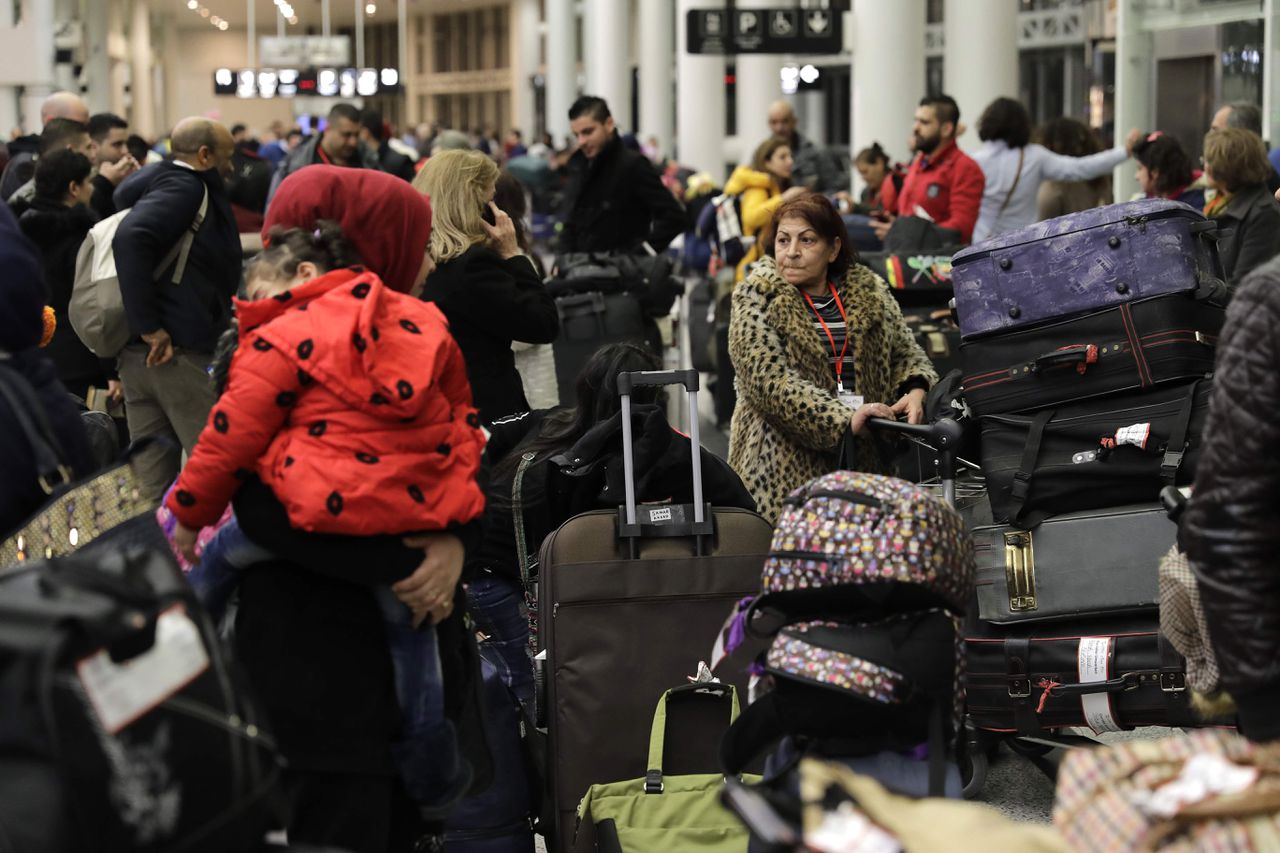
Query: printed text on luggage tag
{"points": [[123, 692], [1093, 660]]}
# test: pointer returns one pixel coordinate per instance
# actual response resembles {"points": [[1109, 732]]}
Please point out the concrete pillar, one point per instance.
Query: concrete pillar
{"points": [[39, 16], [811, 109], [759, 84], [981, 60], [700, 101], [657, 83], [143, 118], [10, 116], [1135, 86], [609, 59], [561, 67], [526, 67], [1271, 73], [883, 113]]}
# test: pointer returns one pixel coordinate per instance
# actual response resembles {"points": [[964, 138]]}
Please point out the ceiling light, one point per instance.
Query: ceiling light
{"points": [[204, 13], [193, 4], [294, 20], [222, 25], [371, 9], [214, 20]]}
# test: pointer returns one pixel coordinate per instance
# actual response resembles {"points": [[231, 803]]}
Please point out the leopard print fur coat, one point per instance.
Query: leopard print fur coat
{"points": [[788, 424]]}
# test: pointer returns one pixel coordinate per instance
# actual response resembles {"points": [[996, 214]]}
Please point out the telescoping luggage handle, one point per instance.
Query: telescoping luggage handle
{"points": [[628, 526]]}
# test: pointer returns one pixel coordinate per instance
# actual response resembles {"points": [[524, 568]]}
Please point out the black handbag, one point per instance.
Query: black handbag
{"points": [[126, 727], [1116, 450]]}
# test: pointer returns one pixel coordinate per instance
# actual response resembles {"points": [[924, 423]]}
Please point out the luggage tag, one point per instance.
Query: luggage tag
{"points": [[123, 692], [1093, 658]]}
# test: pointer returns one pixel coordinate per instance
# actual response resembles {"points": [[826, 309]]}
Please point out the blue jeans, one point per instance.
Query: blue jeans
{"points": [[427, 753], [497, 606]]}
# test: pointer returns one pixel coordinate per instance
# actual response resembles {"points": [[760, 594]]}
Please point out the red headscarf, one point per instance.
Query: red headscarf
{"points": [[387, 220]]}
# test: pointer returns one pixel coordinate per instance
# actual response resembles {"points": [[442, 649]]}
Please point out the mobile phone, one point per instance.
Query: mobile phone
{"points": [[486, 213]]}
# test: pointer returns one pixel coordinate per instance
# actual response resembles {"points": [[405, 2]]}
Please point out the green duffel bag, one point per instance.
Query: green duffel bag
{"points": [[660, 814]]}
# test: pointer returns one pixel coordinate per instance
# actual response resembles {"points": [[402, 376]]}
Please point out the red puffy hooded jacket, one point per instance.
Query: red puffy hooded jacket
{"points": [[351, 402]]}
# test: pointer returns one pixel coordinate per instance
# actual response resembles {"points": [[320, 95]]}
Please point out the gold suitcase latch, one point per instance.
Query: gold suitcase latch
{"points": [[1020, 571]]}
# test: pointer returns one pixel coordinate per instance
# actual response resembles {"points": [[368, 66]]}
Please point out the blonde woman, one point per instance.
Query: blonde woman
{"points": [[488, 290]]}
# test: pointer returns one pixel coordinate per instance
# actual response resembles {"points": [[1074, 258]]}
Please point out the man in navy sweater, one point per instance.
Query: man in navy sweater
{"points": [[176, 324]]}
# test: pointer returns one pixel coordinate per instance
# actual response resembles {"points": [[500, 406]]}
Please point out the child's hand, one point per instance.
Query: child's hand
{"points": [[429, 590], [185, 538]]}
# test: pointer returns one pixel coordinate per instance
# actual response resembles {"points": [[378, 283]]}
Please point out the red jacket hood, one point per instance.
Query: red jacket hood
{"points": [[355, 335]]}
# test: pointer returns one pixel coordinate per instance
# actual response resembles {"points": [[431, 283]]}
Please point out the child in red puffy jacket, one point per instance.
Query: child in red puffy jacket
{"points": [[351, 402]]}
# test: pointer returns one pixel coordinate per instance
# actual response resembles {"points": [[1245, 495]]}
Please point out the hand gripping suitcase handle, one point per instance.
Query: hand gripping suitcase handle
{"points": [[651, 378]]}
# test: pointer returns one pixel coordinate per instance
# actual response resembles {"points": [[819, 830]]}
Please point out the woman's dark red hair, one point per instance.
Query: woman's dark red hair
{"points": [[817, 210]]}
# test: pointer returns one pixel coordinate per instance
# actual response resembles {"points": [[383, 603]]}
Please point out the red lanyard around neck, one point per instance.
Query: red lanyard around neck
{"points": [[839, 356]]}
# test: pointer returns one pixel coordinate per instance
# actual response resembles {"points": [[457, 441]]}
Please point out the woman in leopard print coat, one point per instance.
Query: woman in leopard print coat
{"points": [[789, 423]]}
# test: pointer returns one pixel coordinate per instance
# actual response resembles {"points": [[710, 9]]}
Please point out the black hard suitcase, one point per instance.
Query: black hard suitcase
{"points": [[1112, 451], [1081, 564], [1109, 674], [630, 601], [1128, 347]]}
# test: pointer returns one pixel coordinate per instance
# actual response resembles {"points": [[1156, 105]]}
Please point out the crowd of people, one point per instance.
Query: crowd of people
{"points": [[352, 391]]}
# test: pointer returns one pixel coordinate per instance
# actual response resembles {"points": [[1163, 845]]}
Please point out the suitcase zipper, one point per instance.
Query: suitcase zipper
{"points": [[1128, 414], [851, 497]]}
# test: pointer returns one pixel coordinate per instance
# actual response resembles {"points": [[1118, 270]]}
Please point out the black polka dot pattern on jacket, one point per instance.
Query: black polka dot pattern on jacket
{"points": [[361, 290], [410, 327], [283, 297], [358, 341], [261, 345], [184, 498], [443, 449], [404, 389], [334, 503], [373, 332], [367, 458], [288, 460], [378, 400], [317, 429], [286, 399], [220, 422], [416, 494], [473, 420], [304, 378], [243, 474], [305, 349]]}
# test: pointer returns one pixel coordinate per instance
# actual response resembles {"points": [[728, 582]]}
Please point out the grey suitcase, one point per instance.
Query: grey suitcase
{"points": [[1081, 564]]}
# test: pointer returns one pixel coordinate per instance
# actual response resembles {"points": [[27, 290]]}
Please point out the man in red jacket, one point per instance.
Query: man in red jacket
{"points": [[943, 181]]}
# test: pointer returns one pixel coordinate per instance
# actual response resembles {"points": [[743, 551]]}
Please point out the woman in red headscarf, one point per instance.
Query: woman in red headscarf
{"points": [[309, 627]]}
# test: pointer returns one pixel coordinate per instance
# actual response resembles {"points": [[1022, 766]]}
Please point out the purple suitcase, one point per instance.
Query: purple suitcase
{"points": [[1084, 262]]}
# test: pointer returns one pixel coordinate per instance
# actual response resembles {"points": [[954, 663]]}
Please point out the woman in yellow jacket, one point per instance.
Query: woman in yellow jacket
{"points": [[762, 187]]}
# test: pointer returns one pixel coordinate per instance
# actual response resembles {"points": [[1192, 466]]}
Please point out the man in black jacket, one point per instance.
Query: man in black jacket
{"points": [[176, 324], [338, 145], [390, 160], [615, 201], [110, 134]]}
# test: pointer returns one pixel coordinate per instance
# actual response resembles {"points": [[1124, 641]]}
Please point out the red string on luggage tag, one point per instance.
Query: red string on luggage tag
{"points": [[1044, 697]]}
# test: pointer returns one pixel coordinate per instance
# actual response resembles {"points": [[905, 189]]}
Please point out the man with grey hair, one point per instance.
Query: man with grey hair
{"points": [[177, 312], [24, 150], [1247, 116], [815, 168]]}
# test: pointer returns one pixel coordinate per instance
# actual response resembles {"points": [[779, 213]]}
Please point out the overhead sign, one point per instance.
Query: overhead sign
{"points": [[302, 51], [802, 31], [294, 82]]}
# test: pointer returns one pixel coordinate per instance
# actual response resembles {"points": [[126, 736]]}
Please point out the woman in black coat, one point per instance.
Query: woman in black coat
{"points": [[487, 288], [1236, 165], [57, 222]]}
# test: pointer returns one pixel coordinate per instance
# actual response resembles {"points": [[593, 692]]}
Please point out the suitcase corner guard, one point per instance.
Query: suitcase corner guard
{"points": [[1020, 570]]}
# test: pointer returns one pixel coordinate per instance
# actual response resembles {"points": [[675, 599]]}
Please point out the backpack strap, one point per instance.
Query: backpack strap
{"points": [[1177, 446], [1021, 487], [517, 514], [183, 247], [1022, 153]]}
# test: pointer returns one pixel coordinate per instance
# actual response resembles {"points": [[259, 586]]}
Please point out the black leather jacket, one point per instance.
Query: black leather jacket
{"points": [[1231, 530]]}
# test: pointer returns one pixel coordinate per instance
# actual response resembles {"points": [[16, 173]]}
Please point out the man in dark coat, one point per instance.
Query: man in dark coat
{"points": [[165, 368], [110, 135], [373, 135], [24, 150], [615, 201], [1230, 530], [338, 145]]}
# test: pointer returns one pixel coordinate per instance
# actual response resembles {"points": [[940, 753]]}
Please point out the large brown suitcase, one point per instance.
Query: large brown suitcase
{"points": [[630, 601]]}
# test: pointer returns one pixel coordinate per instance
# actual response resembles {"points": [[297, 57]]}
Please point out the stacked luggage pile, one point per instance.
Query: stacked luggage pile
{"points": [[1088, 351]]}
